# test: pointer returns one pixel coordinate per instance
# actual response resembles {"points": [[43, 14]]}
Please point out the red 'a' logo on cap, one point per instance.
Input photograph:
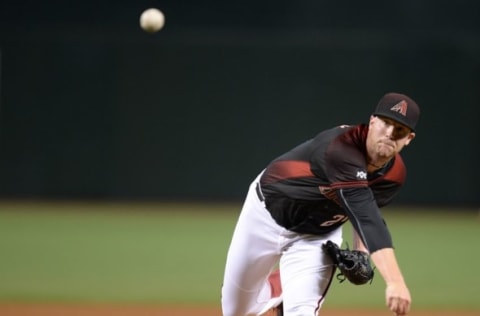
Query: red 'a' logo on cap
{"points": [[400, 107]]}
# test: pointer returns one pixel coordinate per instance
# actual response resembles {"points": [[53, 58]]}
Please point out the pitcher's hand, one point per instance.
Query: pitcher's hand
{"points": [[398, 298]]}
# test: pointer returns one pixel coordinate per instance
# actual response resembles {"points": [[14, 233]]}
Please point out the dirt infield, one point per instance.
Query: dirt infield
{"points": [[103, 310]]}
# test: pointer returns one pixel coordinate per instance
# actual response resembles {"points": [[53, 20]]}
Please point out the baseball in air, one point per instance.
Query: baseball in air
{"points": [[152, 20]]}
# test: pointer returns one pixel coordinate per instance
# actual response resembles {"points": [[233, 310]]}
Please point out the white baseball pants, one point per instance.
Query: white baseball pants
{"points": [[257, 246]]}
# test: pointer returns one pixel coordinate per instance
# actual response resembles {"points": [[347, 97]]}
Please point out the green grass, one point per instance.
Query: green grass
{"points": [[438, 254], [173, 253], [133, 253]]}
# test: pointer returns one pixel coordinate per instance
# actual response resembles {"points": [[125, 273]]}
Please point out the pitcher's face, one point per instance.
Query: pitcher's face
{"points": [[387, 137]]}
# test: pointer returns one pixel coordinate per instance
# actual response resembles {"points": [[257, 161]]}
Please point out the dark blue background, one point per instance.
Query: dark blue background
{"points": [[93, 107]]}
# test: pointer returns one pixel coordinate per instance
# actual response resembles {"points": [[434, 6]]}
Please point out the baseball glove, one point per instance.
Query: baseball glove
{"points": [[354, 265]]}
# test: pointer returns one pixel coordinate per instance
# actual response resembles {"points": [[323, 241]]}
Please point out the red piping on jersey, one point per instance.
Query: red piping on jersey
{"points": [[287, 169], [349, 184]]}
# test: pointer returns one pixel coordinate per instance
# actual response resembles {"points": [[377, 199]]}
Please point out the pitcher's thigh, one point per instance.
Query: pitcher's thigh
{"points": [[245, 287], [306, 274], [252, 255]]}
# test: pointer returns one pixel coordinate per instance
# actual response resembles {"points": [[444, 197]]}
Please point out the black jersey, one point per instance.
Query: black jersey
{"points": [[320, 184]]}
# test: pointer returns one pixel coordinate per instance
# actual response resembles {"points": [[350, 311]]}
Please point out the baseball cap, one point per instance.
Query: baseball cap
{"points": [[400, 108]]}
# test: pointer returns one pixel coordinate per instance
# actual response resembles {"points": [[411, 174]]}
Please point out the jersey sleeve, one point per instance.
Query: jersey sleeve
{"points": [[363, 212]]}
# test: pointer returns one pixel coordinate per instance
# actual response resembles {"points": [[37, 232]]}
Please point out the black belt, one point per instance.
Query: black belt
{"points": [[259, 192]]}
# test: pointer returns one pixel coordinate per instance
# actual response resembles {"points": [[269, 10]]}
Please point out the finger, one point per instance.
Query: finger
{"points": [[396, 306], [402, 307], [393, 304]]}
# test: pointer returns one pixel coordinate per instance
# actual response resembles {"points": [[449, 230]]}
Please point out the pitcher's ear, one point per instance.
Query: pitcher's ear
{"points": [[411, 136]]}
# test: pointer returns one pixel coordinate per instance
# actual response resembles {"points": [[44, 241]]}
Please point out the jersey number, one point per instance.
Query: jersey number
{"points": [[336, 219]]}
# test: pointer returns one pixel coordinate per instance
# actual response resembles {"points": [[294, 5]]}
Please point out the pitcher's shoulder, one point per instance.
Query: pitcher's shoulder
{"points": [[398, 171]]}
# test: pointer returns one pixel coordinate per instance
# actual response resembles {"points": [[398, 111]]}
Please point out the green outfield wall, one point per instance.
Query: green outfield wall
{"points": [[93, 107]]}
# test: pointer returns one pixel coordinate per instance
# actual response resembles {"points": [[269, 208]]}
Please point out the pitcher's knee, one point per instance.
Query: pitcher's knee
{"points": [[303, 310], [237, 309]]}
